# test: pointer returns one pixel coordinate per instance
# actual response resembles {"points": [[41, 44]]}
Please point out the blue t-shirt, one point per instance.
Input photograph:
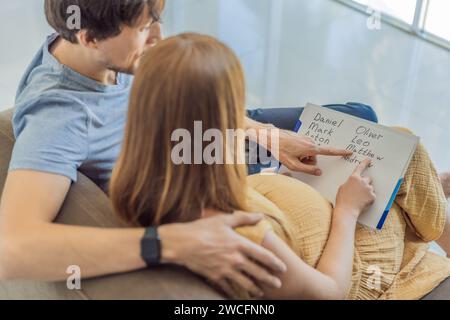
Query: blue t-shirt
{"points": [[65, 122]]}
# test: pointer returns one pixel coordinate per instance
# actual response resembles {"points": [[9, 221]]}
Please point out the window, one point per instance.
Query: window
{"points": [[437, 20], [400, 9], [428, 19]]}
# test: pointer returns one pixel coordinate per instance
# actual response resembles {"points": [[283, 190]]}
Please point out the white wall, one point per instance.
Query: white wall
{"points": [[22, 30]]}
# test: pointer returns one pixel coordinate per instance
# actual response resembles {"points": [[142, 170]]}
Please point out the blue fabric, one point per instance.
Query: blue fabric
{"points": [[66, 122], [287, 118]]}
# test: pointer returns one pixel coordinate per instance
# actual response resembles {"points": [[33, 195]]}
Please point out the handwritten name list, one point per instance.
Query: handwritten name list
{"points": [[322, 130]]}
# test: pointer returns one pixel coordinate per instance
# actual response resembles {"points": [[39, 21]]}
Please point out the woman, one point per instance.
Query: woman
{"points": [[198, 78]]}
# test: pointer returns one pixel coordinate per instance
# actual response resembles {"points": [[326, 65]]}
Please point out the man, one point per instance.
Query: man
{"points": [[70, 114]]}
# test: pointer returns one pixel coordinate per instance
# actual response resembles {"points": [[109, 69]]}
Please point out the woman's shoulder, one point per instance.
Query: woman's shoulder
{"points": [[256, 233], [298, 214]]}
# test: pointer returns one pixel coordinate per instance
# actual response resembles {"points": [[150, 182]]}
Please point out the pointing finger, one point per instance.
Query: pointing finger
{"points": [[326, 151], [362, 167]]}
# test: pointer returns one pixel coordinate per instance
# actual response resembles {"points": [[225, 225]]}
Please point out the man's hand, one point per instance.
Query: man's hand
{"points": [[300, 153], [296, 152], [210, 247]]}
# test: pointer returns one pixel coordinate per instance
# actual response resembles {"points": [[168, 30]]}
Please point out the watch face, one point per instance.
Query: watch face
{"points": [[150, 248]]}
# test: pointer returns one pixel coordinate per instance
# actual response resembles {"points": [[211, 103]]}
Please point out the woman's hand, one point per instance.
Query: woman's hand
{"points": [[357, 193]]}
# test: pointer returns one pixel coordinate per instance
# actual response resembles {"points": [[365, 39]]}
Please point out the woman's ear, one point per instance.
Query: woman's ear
{"points": [[86, 40]]}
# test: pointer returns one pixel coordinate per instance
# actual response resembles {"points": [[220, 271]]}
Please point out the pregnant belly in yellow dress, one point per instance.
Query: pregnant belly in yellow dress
{"points": [[390, 264]]}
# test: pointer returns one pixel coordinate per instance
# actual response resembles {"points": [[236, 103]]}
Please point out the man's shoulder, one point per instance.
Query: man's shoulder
{"points": [[50, 101], [40, 73], [51, 109]]}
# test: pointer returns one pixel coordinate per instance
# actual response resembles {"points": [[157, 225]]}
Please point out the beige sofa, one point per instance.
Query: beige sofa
{"points": [[87, 205]]}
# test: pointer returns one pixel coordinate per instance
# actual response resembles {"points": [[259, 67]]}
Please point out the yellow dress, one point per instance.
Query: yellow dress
{"points": [[394, 263]]}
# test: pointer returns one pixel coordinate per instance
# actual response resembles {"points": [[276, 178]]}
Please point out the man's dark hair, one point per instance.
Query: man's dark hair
{"points": [[101, 18]]}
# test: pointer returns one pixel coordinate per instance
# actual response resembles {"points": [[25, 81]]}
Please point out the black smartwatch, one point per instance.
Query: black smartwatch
{"points": [[151, 247]]}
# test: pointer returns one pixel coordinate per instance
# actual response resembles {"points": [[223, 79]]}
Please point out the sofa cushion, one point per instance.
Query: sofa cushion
{"points": [[6, 144], [87, 205]]}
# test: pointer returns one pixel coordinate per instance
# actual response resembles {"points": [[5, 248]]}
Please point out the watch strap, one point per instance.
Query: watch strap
{"points": [[151, 247]]}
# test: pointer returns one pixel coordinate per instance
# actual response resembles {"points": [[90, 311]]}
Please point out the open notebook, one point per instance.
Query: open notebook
{"points": [[390, 150]]}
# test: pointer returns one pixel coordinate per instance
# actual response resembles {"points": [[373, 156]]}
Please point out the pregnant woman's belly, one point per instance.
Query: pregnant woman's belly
{"points": [[385, 261]]}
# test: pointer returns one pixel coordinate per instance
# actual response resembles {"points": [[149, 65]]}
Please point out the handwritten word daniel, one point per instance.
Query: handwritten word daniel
{"points": [[320, 135]]}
